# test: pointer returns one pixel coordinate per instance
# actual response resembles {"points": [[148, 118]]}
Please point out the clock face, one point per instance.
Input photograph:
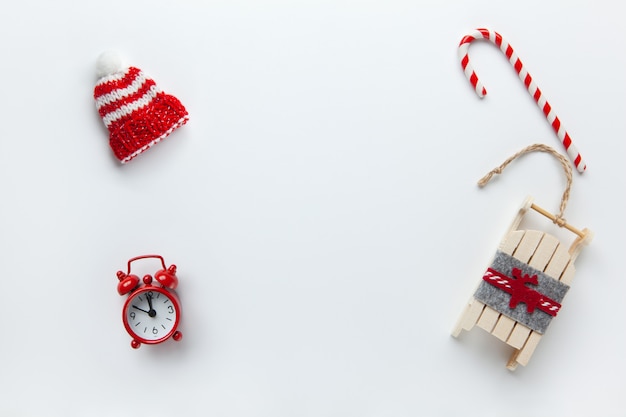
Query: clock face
{"points": [[151, 315]]}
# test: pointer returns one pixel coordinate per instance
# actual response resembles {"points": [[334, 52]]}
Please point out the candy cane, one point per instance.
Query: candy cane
{"points": [[535, 92]]}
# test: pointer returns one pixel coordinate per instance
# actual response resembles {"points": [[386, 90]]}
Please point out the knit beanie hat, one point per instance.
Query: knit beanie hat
{"points": [[136, 112]]}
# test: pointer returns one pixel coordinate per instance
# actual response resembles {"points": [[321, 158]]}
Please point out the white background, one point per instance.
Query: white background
{"points": [[321, 205]]}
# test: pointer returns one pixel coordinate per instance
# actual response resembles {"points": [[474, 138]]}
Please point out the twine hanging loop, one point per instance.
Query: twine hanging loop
{"points": [[538, 147]]}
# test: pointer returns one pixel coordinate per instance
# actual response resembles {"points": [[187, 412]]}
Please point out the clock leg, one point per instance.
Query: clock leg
{"points": [[177, 336], [135, 344]]}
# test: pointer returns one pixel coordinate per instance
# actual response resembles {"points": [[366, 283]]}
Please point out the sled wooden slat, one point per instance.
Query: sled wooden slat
{"points": [[558, 263], [488, 319], [511, 241], [523, 356], [469, 318], [544, 252], [503, 328], [568, 275], [528, 245]]}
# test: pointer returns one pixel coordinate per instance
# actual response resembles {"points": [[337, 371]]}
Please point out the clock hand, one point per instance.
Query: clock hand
{"points": [[140, 309], [152, 311]]}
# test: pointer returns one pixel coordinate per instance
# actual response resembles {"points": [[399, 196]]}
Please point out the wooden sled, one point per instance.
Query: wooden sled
{"points": [[538, 250]]}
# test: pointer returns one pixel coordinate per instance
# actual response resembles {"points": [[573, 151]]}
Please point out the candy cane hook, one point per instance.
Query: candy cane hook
{"points": [[535, 92]]}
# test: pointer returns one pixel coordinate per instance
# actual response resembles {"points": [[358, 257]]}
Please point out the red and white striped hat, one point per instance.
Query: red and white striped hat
{"points": [[132, 107]]}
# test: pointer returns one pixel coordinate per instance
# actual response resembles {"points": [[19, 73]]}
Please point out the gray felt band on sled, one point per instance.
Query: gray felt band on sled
{"points": [[499, 299]]}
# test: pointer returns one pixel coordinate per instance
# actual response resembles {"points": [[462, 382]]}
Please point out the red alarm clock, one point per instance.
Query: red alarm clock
{"points": [[152, 312]]}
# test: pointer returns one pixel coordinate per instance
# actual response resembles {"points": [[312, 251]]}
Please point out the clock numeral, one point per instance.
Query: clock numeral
{"points": [[155, 330], [170, 309], [149, 294], [132, 315]]}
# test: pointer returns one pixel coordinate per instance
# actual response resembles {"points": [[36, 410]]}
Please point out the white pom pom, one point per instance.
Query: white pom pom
{"points": [[109, 62]]}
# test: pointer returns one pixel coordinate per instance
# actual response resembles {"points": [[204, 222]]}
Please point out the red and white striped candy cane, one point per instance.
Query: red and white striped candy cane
{"points": [[535, 92]]}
